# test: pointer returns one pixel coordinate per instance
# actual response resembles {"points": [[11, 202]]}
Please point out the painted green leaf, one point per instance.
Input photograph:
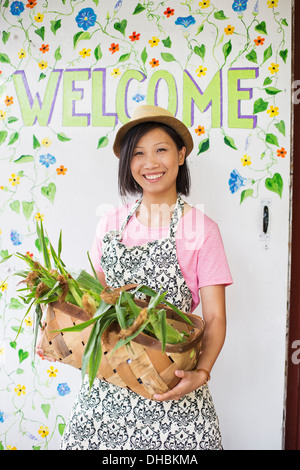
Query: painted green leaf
{"points": [[57, 54], [6, 4], [272, 90], [103, 142], [22, 355], [27, 209], [3, 135], [200, 29], [55, 25], [15, 304], [79, 37], [245, 194], [24, 159], [121, 26], [12, 119], [219, 15], [124, 57], [268, 81], [284, 22], [281, 127], [260, 105], [252, 56], [268, 53], [49, 191], [42, 75], [168, 57], [284, 55], [62, 137], [4, 58], [272, 139], [203, 146], [167, 42], [61, 428], [261, 28], [200, 51], [13, 138], [15, 206], [40, 32], [5, 37], [98, 53], [227, 48], [230, 142], [138, 9], [36, 143], [275, 184], [96, 2], [144, 55], [46, 408]]}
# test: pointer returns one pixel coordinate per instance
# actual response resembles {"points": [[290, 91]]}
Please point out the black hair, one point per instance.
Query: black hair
{"points": [[127, 184]]}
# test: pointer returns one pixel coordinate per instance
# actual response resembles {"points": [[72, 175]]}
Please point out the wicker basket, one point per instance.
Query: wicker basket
{"points": [[142, 367]]}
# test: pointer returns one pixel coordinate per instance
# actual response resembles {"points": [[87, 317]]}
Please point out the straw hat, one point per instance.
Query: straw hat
{"points": [[147, 113]]}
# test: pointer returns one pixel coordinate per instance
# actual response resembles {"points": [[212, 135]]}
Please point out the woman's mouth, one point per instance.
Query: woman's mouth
{"points": [[153, 177]]}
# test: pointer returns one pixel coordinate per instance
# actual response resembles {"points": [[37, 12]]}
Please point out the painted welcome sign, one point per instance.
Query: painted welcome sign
{"points": [[81, 66]]}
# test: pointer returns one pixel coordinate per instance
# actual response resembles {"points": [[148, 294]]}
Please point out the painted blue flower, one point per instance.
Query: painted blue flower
{"points": [[236, 181], [47, 160], [63, 389], [1, 416], [15, 237], [240, 5], [16, 8], [118, 5], [138, 97], [86, 18], [185, 21]]}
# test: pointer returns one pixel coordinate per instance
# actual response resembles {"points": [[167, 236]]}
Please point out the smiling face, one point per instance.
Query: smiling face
{"points": [[155, 163]]}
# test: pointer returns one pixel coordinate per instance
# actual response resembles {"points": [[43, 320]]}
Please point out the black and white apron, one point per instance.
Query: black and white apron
{"points": [[111, 417]]}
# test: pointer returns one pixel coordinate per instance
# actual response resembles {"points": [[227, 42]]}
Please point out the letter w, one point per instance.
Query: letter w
{"points": [[34, 109]]}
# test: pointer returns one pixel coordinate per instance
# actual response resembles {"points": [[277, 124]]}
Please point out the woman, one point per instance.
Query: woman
{"points": [[158, 240]]}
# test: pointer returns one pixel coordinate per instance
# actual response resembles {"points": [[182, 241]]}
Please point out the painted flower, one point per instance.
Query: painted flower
{"points": [[135, 36], [154, 63], [274, 68], [14, 180], [52, 372], [201, 71], [85, 53], [185, 21], [15, 237], [22, 54], [273, 111], [204, 4], [20, 390], [259, 41], [281, 152], [28, 321], [39, 217], [114, 48], [39, 17], [61, 170], [47, 160], [239, 5], [138, 97], [30, 255], [46, 142], [246, 160], [236, 181], [1, 416], [43, 431], [3, 286], [9, 100], [86, 18], [2, 115], [11, 447], [169, 12], [43, 64], [229, 30], [154, 41], [63, 389], [31, 4], [118, 5], [272, 3], [16, 8], [200, 130], [115, 72], [44, 48]]}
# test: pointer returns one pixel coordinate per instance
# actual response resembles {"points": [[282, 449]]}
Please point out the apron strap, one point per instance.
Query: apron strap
{"points": [[134, 208]]}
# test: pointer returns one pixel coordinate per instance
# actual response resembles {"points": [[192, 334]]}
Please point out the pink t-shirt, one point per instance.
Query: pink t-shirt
{"points": [[200, 250]]}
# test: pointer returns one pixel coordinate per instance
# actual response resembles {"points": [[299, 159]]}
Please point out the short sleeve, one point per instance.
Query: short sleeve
{"points": [[212, 265], [96, 250]]}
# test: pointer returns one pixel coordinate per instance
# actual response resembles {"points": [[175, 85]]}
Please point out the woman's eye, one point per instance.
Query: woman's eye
{"points": [[161, 149], [137, 154]]}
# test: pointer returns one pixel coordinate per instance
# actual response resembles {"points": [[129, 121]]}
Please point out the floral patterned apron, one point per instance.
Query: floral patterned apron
{"points": [[116, 418]]}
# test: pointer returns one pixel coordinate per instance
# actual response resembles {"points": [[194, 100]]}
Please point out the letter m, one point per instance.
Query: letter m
{"points": [[33, 109]]}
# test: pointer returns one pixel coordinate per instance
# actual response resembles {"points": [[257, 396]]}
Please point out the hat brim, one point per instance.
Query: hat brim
{"points": [[173, 122]]}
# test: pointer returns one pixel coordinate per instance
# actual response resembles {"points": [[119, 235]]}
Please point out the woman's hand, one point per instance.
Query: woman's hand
{"points": [[39, 351], [189, 382]]}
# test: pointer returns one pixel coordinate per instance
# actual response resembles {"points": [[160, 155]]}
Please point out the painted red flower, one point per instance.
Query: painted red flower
{"points": [[114, 48], [44, 48], [31, 4], [259, 41], [169, 12], [135, 36], [154, 63], [281, 152]]}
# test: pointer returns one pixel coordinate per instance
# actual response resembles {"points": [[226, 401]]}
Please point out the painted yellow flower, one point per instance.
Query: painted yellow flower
{"points": [[28, 321], [2, 114], [3, 287], [1, 351], [115, 72], [154, 41], [22, 54], [246, 160], [201, 71], [274, 68], [39, 17], [38, 216], [229, 30], [273, 111], [14, 180], [52, 372], [43, 64], [43, 431], [20, 390], [46, 142], [11, 448], [272, 3], [85, 53], [204, 4]]}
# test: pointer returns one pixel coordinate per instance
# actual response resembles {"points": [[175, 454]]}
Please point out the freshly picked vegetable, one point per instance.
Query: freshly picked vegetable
{"points": [[44, 284]]}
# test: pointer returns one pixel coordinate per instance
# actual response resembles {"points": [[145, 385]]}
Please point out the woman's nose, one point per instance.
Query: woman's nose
{"points": [[151, 160]]}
